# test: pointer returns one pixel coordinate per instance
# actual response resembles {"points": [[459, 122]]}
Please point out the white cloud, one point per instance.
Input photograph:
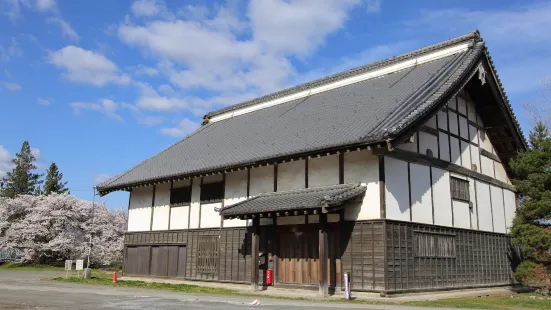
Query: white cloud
{"points": [[511, 34], [45, 5], [106, 106], [142, 70], [7, 73], [150, 120], [100, 178], [11, 86], [182, 129], [36, 152], [43, 101], [12, 8], [5, 161], [230, 51], [11, 51], [147, 8], [373, 6], [87, 67], [66, 28]]}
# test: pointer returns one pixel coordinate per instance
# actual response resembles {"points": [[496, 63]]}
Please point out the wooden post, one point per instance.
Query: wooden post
{"points": [[255, 249], [323, 257]]}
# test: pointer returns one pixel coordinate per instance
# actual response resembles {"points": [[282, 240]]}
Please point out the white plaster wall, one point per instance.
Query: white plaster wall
{"points": [[291, 220], [431, 122], [472, 194], [487, 166], [291, 175], [161, 207], [461, 214], [475, 157], [213, 178], [500, 172], [139, 210], [444, 146], [465, 155], [510, 207], [195, 203], [181, 183], [421, 198], [498, 209], [235, 190], [363, 166], [262, 180], [471, 111], [210, 217], [442, 197], [428, 141], [454, 126], [396, 189], [452, 103], [455, 151], [179, 217], [486, 144], [410, 146], [442, 120], [461, 105], [473, 134], [484, 206], [463, 127], [323, 171]]}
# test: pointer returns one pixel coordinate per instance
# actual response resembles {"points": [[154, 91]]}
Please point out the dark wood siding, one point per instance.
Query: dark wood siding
{"points": [[235, 255], [363, 254], [480, 259]]}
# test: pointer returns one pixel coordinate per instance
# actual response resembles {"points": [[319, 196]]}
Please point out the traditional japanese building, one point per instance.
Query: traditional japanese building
{"points": [[395, 172]]}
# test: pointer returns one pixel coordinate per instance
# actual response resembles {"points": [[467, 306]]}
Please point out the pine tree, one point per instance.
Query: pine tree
{"points": [[22, 180], [532, 224], [54, 181]]}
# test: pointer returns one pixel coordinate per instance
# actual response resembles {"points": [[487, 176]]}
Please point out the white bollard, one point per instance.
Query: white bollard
{"points": [[347, 294]]}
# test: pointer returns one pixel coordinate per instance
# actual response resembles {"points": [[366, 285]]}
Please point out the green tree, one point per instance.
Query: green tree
{"points": [[22, 180], [54, 181], [531, 228]]}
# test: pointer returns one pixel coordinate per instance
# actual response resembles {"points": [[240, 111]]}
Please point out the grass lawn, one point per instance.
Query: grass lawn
{"points": [[505, 302], [16, 266]]}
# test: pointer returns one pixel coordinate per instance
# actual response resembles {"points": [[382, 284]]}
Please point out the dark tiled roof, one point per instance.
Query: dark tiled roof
{"points": [[366, 112], [300, 199]]}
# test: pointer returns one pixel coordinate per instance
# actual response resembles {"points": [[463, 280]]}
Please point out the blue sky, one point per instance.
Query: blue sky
{"points": [[98, 86]]}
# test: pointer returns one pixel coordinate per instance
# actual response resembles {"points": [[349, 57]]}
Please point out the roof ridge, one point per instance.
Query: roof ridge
{"points": [[350, 72]]}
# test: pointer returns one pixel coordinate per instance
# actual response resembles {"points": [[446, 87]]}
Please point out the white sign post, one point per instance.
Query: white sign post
{"points": [[347, 286], [80, 266], [68, 267]]}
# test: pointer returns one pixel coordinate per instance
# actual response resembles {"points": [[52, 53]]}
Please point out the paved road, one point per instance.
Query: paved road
{"points": [[29, 290]]}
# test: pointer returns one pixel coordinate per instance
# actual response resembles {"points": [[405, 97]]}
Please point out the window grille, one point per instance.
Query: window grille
{"points": [[460, 189], [207, 254], [180, 195], [212, 191], [433, 245]]}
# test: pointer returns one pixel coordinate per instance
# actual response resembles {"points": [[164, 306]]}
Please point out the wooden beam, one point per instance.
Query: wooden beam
{"points": [[323, 256], [483, 152], [421, 159], [429, 130], [255, 249]]}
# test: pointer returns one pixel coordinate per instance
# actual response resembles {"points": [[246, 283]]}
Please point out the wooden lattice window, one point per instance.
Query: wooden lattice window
{"points": [[460, 189], [180, 195], [212, 191], [434, 245], [207, 254]]}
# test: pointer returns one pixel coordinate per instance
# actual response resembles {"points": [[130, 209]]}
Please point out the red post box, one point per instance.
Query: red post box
{"points": [[269, 276]]}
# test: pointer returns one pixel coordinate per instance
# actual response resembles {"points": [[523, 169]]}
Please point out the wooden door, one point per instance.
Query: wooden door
{"points": [[159, 261], [137, 260], [172, 270], [298, 259], [182, 256]]}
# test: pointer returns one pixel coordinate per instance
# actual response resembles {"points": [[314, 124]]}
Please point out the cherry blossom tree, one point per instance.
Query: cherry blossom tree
{"points": [[58, 226]]}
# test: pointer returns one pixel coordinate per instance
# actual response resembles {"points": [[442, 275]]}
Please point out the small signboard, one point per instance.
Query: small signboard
{"points": [[80, 264], [68, 267]]}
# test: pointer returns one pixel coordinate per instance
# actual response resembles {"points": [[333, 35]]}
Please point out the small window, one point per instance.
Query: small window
{"points": [[460, 189], [207, 254], [180, 195], [212, 191], [434, 245]]}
